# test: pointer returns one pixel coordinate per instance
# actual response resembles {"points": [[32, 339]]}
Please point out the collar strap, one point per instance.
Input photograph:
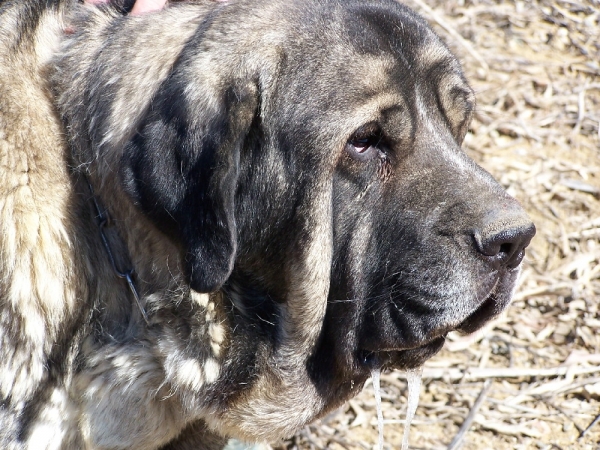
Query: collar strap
{"points": [[104, 222]]}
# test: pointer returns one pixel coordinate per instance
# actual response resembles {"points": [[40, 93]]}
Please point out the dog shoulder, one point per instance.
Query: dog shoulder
{"points": [[39, 269]]}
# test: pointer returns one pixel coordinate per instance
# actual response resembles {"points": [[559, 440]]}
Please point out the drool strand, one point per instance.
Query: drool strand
{"points": [[413, 379], [375, 374]]}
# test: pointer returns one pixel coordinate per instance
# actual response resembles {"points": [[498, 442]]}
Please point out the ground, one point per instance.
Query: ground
{"points": [[535, 67]]}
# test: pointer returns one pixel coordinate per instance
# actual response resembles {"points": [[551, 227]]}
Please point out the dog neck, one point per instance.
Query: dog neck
{"points": [[103, 222], [140, 264]]}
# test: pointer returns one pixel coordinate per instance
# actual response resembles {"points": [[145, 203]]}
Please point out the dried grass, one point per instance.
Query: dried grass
{"points": [[536, 373]]}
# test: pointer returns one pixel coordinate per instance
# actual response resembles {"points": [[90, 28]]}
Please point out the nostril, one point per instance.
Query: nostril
{"points": [[506, 248], [506, 253], [503, 242]]}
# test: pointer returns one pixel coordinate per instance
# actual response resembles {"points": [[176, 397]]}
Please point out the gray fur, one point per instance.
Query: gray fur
{"points": [[278, 257]]}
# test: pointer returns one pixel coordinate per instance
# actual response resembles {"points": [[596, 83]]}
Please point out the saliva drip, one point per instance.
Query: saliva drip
{"points": [[375, 374], [413, 379]]}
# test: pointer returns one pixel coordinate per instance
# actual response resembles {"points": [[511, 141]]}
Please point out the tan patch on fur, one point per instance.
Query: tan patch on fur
{"points": [[199, 299], [431, 53], [189, 373], [54, 426], [36, 248], [216, 333], [211, 370], [118, 379]]}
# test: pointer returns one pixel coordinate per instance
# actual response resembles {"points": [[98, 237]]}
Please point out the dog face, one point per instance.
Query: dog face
{"points": [[306, 164], [407, 209]]}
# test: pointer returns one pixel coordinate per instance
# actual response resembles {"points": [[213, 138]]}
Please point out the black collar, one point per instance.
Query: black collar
{"points": [[103, 222]]}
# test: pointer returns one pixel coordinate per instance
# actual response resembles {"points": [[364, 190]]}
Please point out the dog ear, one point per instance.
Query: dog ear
{"points": [[181, 169]]}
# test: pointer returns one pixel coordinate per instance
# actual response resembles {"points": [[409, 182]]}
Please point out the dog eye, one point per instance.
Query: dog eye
{"points": [[363, 145]]}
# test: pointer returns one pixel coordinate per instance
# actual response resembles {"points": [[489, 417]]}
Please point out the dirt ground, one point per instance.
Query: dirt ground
{"points": [[535, 373]]}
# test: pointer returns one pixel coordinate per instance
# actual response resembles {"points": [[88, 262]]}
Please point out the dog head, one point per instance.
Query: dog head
{"points": [[306, 162]]}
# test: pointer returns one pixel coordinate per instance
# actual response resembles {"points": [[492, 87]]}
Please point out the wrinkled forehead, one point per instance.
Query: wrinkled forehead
{"points": [[387, 27], [395, 41], [353, 62]]}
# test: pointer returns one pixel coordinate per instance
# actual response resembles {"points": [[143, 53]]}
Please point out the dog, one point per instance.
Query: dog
{"points": [[217, 220]]}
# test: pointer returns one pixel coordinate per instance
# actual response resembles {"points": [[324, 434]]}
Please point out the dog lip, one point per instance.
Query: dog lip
{"points": [[401, 358], [407, 355], [486, 311]]}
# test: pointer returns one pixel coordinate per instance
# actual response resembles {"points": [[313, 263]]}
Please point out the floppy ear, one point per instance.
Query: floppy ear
{"points": [[181, 169]]}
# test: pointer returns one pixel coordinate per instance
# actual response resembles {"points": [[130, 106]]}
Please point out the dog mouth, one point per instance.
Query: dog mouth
{"points": [[489, 309], [403, 358], [496, 301]]}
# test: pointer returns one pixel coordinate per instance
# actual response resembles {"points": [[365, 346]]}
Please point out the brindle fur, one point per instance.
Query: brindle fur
{"points": [[286, 179]]}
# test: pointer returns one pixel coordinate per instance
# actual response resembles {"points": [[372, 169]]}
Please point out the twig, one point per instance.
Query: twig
{"points": [[311, 439], [594, 422], [581, 110], [342, 443], [563, 412], [520, 408], [508, 429], [551, 289], [455, 34], [516, 372], [554, 388], [457, 441]]}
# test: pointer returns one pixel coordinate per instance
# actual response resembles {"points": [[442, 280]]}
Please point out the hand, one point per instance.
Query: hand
{"points": [[143, 6]]}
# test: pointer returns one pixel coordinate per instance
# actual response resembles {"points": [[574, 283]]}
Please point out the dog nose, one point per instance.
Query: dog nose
{"points": [[502, 240]]}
